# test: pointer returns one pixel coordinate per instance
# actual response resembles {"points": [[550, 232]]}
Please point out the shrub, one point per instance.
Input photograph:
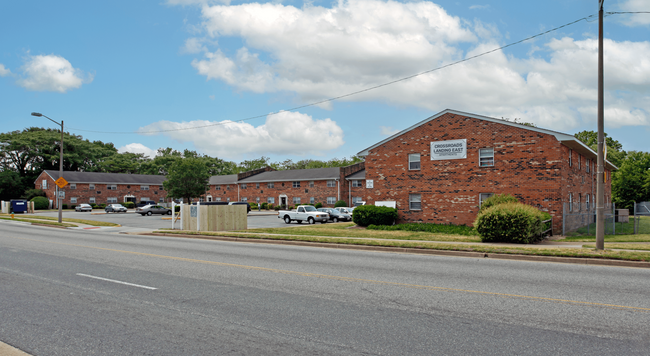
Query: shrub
{"points": [[72, 206], [93, 205], [102, 206], [30, 194], [340, 203], [496, 200], [510, 222], [366, 215], [40, 203], [265, 206], [318, 205], [277, 208], [129, 205], [64, 206], [177, 208]]}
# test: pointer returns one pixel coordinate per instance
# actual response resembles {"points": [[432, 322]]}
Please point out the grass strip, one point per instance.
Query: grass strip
{"points": [[343, 230], [79, 221], [621, 228], [482, 248], [33, 221], [631, 246], [428, 227], [610, 238]]}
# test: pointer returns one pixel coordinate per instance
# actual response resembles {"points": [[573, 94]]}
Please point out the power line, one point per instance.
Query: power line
{"points": [[359, 91]]}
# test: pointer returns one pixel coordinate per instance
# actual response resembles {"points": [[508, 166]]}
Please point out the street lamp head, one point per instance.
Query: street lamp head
{"points": [[37, 114]]}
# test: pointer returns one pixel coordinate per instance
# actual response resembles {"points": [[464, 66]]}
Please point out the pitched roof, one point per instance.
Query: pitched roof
{"points": [[108, 178], [225, 179], [359, 175], [566, 139], [295, 175]]}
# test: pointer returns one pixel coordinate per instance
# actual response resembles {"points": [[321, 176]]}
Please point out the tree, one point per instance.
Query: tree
{"points": [[630, 183], [11, 186], [126, 162], [188, 178], [615, 153]]}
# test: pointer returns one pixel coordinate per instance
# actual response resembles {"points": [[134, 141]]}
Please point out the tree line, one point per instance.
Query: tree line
{"points": [[32, 150]]}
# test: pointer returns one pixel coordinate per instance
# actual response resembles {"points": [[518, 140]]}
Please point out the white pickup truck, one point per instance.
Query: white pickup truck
{"points": [[303, 213]]}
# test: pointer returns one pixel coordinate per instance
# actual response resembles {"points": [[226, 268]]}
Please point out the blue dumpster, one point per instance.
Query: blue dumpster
{"points": [[19, 206]]}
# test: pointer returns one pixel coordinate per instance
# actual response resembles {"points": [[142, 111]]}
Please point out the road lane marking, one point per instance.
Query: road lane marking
{"points": [[352, 279], [115, 281]]}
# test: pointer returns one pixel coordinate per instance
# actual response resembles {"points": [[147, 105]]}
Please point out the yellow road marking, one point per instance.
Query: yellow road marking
{"points": [[349, 279]]}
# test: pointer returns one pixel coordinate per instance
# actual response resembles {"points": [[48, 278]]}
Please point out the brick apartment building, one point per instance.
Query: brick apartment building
{"points": [[441, 169], [98, 188]]}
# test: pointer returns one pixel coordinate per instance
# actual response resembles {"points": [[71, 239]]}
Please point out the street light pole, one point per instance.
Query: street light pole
{"points": [[58, 200], [600, 186]]}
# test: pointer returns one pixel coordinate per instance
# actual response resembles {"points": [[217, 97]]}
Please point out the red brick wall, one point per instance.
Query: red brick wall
{"points": [[83, 193], [320, 191], [529, 165]]}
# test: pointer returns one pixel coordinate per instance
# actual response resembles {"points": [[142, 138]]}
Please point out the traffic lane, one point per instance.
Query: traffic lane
{"points": [[155, 222], [298, 313]]}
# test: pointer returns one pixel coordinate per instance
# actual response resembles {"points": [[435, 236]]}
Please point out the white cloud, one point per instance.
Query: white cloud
{"points": [[388, 131], [4, 71], [635, 19], [193, 45], [283, 133], [317, 53], [138, 148], [51, 73]]}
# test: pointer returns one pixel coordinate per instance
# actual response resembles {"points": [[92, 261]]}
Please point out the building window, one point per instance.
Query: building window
{"points": [[588, 165], [217, 199], [161, 200], [270, 200], [270, 185], [331, 200], [160, 187], [155, 192], [311, 200], [227, 186], [228, 200], [111, 200], [357, 184], [144, 187], [243, 186], [570, 158], [91, 186], [244, 199], [296, 184], [257, 185], [73, 186], [587, 201], [578, 201], [331, 183], [486, 157], [579, 160], [296, 200], [91, 200], [217, 187], [570, 202], [44, 185], [111, 187], [414, 161], [73, 200], [356, 200], [482, 197], [415, 202], [144, 199]]}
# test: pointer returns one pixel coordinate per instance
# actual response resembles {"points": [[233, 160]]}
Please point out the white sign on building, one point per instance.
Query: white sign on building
{"points": [[369, 184], [452, 149]]}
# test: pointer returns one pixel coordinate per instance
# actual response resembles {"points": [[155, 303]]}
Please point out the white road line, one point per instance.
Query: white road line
{"points": [[114, 281]]}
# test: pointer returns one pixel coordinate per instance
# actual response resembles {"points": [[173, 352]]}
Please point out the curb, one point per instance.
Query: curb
{"points": [[497, 256]]}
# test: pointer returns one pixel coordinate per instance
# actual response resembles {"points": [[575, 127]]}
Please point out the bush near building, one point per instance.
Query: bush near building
{"points": [[129, 205], [340, 204], [366, 215], [41, 203], [496, 200], [318, 205], [510, 222]]}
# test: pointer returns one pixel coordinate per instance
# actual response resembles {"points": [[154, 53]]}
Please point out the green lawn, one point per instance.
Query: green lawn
{"points": [[632, 246], [39, 219], [621, 228], [344, 230], [35, 221]]}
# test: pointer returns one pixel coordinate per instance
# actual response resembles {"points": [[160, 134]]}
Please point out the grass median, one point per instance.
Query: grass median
{"points": [[41, 222], [48, 220]]}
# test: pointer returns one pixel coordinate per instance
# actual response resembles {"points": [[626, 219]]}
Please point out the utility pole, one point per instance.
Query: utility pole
{"points": [[600, 185]]}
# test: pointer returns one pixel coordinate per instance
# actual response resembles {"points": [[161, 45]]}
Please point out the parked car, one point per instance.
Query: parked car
{"points": [[145, 203], [83, 207], [115, 208], [345, 210], [303, 212], [241, 203], [335, 215], [153, 209]]}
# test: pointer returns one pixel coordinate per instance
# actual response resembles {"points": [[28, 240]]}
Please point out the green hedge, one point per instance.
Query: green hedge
{"points": [[129, 205], [341, 204], [318, 205], [41, 203], [510, 222], [265, 206], [496, 200], [64, 206], [366, 215]]}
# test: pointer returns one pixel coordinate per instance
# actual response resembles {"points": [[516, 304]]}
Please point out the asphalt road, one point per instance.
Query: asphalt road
{"points": [[132, 222], [72, 292]]}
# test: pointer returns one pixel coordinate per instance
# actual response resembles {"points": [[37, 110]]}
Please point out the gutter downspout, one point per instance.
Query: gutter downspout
{"points": [[237, 191], [349, 193], [338, 189]]}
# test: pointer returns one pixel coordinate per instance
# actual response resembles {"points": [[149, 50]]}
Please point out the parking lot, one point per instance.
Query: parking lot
{"points": [[131, 221]]}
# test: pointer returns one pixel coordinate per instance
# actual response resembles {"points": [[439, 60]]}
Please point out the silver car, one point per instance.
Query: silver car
{"points": [[335, 215], [153, 209], [115, 208], [83, 207]]}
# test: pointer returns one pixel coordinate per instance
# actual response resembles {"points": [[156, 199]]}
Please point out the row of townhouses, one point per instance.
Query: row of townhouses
{"points": [[438, 170]]}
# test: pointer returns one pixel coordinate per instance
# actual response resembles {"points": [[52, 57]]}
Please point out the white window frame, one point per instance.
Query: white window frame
{"points": [[312, 200], [44, 185], [270, 200], [243, 186], [244, 199], [482, 197], [357, 184], [331, 183], [415, 201], [570, 202], [91, 200], [161, 200], [217, 187], [296, 184], [296, 200], [73, 200], [111, 200], [144, 187], [588, 165], [257, 186], [414, 162], [111, 187], [486, 157], [356, 199], [144, 199], [91, 186], [73, 185], [570, 158], [331, 200], [587, 202], [311, 184], [270, 185], [217, 198]]}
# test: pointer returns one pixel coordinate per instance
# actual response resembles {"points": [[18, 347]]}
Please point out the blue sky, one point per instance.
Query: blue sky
{"points": [[142, 74]]}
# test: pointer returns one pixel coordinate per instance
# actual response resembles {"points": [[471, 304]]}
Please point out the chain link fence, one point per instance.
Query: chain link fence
{"points": [[581, 218]]}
